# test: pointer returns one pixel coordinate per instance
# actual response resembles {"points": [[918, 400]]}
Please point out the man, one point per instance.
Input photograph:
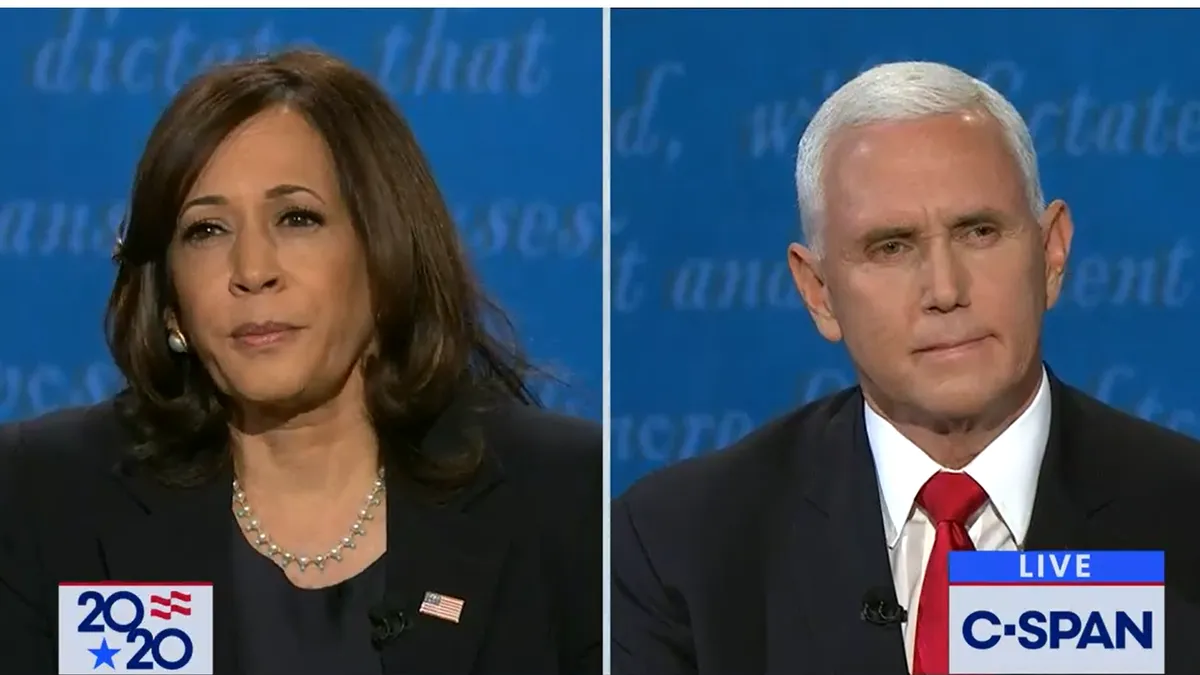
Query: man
{"points": [[931, 253]]}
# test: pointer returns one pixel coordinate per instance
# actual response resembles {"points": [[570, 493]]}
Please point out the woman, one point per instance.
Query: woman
{"points": [[317, 419]]}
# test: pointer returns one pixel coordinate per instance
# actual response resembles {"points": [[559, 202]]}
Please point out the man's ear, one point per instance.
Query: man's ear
{"points": [[810, 281], [1057, 232]]}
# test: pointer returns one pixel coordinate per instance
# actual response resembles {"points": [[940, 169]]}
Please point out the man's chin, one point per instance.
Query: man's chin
{"points": [[958, 398]]}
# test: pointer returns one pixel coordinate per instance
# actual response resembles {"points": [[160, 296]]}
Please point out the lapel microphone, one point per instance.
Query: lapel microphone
{"points": [[879, 609], [387, 623]]}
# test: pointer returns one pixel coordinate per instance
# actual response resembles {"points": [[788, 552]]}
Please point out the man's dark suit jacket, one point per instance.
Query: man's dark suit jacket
{"points": [[522, 545], [756, 559]]}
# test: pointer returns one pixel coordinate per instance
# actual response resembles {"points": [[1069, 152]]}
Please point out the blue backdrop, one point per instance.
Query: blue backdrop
{"points": [[507, 104], [709, 338]]}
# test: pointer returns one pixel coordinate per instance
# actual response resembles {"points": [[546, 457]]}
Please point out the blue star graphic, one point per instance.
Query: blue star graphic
{"points": [[104, 655]]}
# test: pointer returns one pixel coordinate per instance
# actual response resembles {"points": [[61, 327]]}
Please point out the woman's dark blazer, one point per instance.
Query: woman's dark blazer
{"points": [[521, 545]]}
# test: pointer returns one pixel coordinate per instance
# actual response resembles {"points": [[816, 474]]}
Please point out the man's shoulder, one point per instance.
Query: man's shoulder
{"points": [[744, 477], [1141, 457], [1140, 482]]}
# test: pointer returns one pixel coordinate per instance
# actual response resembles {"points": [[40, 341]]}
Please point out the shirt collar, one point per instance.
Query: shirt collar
{"points": [[1007, 469]]}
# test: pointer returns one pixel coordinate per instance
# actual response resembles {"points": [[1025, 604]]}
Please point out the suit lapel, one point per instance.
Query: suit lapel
{"points": [[1073, 485], [830, 551], [455, 550], [179, 535]]}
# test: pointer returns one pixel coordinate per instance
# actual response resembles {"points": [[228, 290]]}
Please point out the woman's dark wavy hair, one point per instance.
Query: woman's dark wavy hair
{"points": [[438, 334]]}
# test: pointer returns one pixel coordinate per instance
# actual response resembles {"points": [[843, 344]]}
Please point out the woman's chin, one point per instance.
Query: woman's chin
{"points": [[273, 396], [286, 390]]}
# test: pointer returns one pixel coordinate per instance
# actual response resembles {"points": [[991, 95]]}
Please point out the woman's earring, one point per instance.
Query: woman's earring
{"points": [[176, 341]]}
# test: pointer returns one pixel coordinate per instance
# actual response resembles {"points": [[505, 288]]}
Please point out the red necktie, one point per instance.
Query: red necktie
{"points": [[949, 499]]}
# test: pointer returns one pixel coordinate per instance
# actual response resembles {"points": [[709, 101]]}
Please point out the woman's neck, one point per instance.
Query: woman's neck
{"points": [[320, 453]]}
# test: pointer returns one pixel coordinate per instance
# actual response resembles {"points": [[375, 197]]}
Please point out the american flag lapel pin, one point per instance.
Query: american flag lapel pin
{"points": [[442, 607]]}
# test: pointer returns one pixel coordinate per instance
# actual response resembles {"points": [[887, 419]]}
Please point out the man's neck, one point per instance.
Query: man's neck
{"points": [[954, 443]]}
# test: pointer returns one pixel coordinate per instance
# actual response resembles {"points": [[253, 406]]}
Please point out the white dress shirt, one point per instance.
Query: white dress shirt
{"points": [[1007, 469]]}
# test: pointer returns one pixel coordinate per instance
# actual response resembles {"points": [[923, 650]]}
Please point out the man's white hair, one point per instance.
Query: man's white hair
{"points": [[903, 91]]}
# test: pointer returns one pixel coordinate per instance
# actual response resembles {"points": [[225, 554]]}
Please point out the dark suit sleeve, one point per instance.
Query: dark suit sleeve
{"points": [[26, 620], [585, 606], [650, 631]]}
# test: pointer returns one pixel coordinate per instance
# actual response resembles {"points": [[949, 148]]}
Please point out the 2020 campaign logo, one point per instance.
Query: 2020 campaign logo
{"points": [[1056, 612], [125, 628]]}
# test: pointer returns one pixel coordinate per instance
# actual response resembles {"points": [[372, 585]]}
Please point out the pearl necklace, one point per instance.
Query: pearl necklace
{"points": [[241, 509]]}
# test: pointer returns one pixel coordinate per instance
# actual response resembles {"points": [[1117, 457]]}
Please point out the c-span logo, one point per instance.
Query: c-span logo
{"points": [[1056, 612], [135, 628]]}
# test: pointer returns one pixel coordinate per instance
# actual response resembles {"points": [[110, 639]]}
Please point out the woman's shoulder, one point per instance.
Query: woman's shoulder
{"points": [[557, 455], [70, 441], [529, 435]]}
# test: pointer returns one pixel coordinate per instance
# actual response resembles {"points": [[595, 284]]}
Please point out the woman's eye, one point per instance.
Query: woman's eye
{"points": [[302, 218], [201, 231]]}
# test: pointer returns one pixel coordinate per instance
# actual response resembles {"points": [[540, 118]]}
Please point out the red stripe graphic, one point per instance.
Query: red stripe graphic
{"points": [[1060, 584], [172, 606]]}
